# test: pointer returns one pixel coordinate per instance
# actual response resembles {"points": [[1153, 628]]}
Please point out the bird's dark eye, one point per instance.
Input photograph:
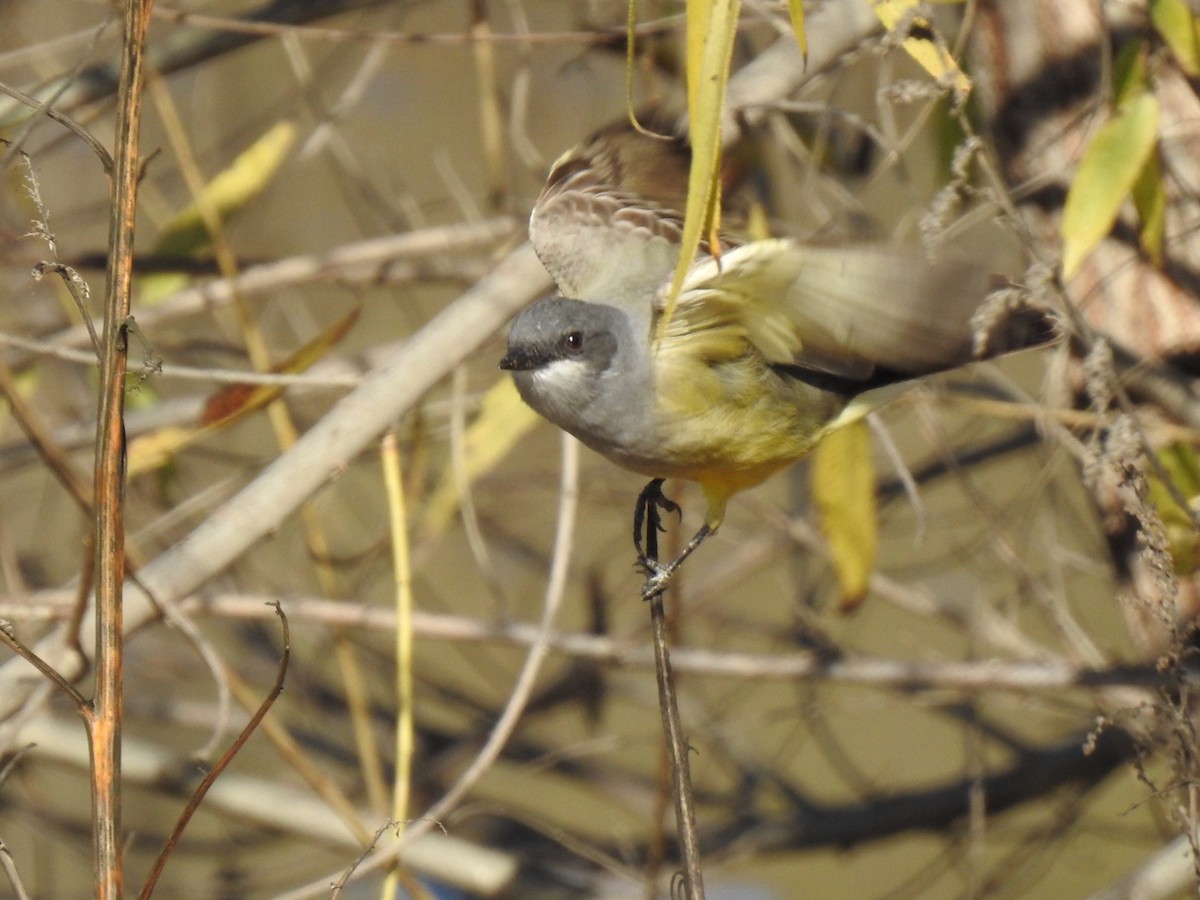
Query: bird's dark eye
{"points": [[573, 341]]}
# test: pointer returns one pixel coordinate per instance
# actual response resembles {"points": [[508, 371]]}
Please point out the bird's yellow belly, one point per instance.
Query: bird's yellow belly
{"points": [[741, 430]]}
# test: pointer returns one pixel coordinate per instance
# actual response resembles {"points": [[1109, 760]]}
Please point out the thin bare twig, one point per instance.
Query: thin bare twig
{"points": [[260, 28], [76, 286], [66, 121], [677, 750], [10, 869], [334, 381], [993, 674], [104, 726], [340, 885], [197, 797], [8, 638], [676, 741], [370, 260]]}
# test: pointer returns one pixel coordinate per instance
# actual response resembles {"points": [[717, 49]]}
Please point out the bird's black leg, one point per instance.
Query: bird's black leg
{"points": [[646, 513], [648, 522]]}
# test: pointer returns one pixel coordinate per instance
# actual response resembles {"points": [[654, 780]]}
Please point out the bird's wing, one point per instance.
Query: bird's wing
{"points": [[844, 309], [604, 245], [608, 222]]}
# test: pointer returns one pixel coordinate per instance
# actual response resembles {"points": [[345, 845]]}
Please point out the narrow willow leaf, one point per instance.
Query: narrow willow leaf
{"points": [[1130, 77], [1150, 200], [699, 14], [1106, 176], [1180, 463], [1180, 29], [631, 21], [156, 449], [929, 55], [707, 80], [229, 191], [245, 178], [237, 400], [843, 481], [796, 9]]}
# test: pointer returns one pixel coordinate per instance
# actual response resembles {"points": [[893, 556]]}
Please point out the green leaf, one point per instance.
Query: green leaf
{"points": [[1110, 167], [1131, 80], [1180, 29], [843, 480], [1130, 75], [1150, 200], [1182, 467]]}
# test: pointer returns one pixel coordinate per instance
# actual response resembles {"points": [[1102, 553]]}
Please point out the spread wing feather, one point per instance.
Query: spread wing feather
{"points": [[844, 310]]}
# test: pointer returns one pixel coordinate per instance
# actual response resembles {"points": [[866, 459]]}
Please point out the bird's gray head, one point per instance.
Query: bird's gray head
{"points": [[564, 358], [560, 348]]}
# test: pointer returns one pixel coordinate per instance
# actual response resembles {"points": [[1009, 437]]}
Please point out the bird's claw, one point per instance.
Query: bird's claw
{"points": [[657, 576], [647, 520]]}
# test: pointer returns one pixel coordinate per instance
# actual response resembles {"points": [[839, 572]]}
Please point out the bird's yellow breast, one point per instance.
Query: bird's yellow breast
{"points": [[735, 422]]}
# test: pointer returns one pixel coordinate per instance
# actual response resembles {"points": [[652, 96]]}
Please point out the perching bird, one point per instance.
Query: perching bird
{"points": [[764, 352]]}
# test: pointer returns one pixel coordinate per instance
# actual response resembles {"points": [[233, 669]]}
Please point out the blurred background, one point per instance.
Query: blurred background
{"points": [[1005, 714]]}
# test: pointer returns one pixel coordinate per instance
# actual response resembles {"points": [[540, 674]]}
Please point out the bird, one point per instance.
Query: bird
{"points": [[767, 348]]}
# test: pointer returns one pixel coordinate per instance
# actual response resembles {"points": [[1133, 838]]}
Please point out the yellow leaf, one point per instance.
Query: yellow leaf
{"points": [[1150, 200], [315, 350], [148, 452], [928, 54], [1182, 467], [1180, 29], [1106, 176], [699, 13], [758, 224], [229, 191], [237, 400], [711, 26], [843, 480], [796, 9], [1130, 73], [502, 421], [246, 177]]}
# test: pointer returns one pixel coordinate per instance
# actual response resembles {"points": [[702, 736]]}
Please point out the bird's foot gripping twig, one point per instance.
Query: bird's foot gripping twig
{"points": [[647, 523], [647, 520]]}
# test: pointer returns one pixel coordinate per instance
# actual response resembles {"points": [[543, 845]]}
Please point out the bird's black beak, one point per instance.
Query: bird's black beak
{"points": [[518, 359]]}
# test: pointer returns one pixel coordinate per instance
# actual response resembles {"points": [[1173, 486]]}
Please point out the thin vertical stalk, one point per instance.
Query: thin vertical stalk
{"points": [[401, 564], [104, 723]]}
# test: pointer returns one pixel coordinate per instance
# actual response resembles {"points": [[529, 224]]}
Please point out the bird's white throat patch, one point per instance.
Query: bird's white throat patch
{"points": [[568, 377]]}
